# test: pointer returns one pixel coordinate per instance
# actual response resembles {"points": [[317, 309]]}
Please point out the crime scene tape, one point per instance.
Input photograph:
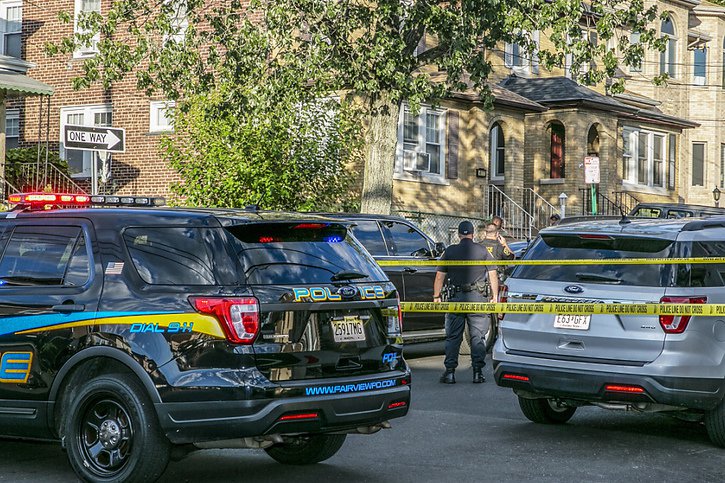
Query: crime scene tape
{"points": [[597, 261], [707, 310]]}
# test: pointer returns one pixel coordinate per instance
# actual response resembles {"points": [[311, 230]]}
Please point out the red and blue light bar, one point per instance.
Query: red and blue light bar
{"points": [[75, 200]]}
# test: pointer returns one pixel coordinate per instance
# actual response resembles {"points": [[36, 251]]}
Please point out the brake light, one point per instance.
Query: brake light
{"points": [[503, 296], [297, 417], [627, 389], [394, 319], [239, 317], [515, 377], [596, 237], [676, 324], [399, 404]]}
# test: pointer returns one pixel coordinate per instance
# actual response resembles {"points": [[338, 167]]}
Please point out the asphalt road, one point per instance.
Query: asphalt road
{"points": [[460, 433]]}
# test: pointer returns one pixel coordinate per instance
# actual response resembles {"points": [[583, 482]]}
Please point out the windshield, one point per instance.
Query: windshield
{"points": [[571, 247], [302, 253]]}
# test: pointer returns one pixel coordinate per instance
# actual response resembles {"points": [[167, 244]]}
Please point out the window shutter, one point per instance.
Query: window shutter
{"points": [[452, 151]]}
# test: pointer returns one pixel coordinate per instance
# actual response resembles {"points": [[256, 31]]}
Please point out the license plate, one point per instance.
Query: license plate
{"points": [[348, 329], [570, 321]]}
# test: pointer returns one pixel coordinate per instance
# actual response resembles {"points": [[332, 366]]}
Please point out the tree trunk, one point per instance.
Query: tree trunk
{"points": [[381, 137]]}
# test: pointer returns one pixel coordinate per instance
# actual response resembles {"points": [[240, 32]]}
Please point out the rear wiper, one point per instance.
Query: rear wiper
{"points": [[348, 275], [595, 277], [26, 281]]}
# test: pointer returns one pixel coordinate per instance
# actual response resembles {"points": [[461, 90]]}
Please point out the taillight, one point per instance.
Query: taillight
{"points": [[394, 320], [239, 317], [624, 388], [503, 297], [676, 324]]}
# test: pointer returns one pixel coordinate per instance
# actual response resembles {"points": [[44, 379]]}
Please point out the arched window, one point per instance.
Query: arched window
{"points": [[668, 58], [498, 152], [558, 151]]}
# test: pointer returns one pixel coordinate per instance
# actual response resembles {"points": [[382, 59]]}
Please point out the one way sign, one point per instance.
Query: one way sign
{"points": [[110, 139]]}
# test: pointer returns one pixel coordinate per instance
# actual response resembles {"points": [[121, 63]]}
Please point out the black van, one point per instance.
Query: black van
{"points": [[131, 332]]}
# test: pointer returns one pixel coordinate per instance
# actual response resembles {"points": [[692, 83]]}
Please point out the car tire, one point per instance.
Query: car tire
{"points": [[545, 411], [112, 432], [715, 424], [307, 450]]}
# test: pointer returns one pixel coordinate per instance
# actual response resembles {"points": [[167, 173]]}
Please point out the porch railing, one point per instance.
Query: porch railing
{"points": [[518, 222], [33, 178]]}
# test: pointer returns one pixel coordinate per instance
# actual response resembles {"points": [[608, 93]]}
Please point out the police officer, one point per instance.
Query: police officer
{"points": [[465, 284]]}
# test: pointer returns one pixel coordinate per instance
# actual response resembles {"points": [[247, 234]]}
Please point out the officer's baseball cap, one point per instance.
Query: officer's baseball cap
{"points": [[465, 228]]}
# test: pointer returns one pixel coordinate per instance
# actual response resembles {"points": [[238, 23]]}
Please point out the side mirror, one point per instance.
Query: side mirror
{"points": [[439, 249]]}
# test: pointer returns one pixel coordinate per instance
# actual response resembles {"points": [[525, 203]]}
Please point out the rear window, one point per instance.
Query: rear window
{"points": [[301, 253], [648, 212], [170, 256], [702, 275], [571, 247]]}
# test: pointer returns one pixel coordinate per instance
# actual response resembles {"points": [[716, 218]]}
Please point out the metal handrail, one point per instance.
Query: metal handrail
{"points": [[54, 177], [519, 222]]}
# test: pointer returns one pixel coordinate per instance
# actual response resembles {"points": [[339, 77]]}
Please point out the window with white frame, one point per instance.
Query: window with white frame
{"points": [[83, 8], [668, 57], [162, 116], [12, 128], [421, 141], [79, 162], [498, 152], [634, 40], [644, 159], [700, 66], [517, 57], [11, 14], [178, 20]]}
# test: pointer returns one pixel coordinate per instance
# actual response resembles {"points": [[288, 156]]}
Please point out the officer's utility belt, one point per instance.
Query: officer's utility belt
{"points": [[466, 287]]}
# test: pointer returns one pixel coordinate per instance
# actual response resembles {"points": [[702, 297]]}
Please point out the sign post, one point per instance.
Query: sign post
{"points": [[100, 140], [592, 178]]}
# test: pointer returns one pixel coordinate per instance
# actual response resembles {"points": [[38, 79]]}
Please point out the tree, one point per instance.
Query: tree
{"points": [[378, 51]]}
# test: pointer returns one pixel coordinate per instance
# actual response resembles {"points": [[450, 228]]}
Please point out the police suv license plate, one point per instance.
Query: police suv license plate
{"points": [[348, 329], [571, 321]]}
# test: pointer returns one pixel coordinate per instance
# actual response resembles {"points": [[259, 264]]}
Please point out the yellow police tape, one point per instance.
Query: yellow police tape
{"points": [[597, 261], [709, 310]]}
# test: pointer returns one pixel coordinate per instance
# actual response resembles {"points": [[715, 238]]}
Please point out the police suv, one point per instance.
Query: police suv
{"points": [[134, 334]]}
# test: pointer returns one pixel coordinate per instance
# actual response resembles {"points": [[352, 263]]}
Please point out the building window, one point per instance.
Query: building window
{"points": [[644, 158], [12, 128], [722, 165], [83, 8], [668, 58], [162, 116], [79, 162], [498, 152], [178, 20], [422, 138], [700, 66], [698, 164], [671, 160], [558, 151], [517, 58], [634, 40], [11, 14]]}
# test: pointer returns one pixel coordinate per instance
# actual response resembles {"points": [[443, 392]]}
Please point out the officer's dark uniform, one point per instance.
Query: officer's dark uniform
{"points": [[498, 252], [466, 282]]}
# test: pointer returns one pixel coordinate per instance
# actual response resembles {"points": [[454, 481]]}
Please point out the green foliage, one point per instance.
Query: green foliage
{"points": [[18, 169]]}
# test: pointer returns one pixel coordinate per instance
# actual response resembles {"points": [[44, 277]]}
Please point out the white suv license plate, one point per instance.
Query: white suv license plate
{"points": [[570, 321], [348, 329]]}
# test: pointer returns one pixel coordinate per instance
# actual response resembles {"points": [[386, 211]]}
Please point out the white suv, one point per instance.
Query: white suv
{"points": [[555, 363]]}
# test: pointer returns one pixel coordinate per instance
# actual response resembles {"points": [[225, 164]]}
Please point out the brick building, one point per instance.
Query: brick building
{"points": [[653, 143]]}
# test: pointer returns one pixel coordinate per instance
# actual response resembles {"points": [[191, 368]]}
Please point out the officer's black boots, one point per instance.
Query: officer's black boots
{"points": [[449, 377], [478, 376]]}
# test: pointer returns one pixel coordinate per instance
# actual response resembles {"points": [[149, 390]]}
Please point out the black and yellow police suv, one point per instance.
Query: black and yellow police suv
{"points": [[134, 334]]}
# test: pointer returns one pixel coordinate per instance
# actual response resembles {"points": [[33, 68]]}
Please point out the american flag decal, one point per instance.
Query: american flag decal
{"points": [[114, 268]]}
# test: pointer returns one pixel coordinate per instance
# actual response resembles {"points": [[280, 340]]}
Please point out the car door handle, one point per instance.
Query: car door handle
{"points": [[410, 270], [68, 308]]}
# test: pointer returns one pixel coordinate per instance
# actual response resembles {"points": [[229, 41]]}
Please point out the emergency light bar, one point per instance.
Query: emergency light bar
{"points": [[35, 200]]}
